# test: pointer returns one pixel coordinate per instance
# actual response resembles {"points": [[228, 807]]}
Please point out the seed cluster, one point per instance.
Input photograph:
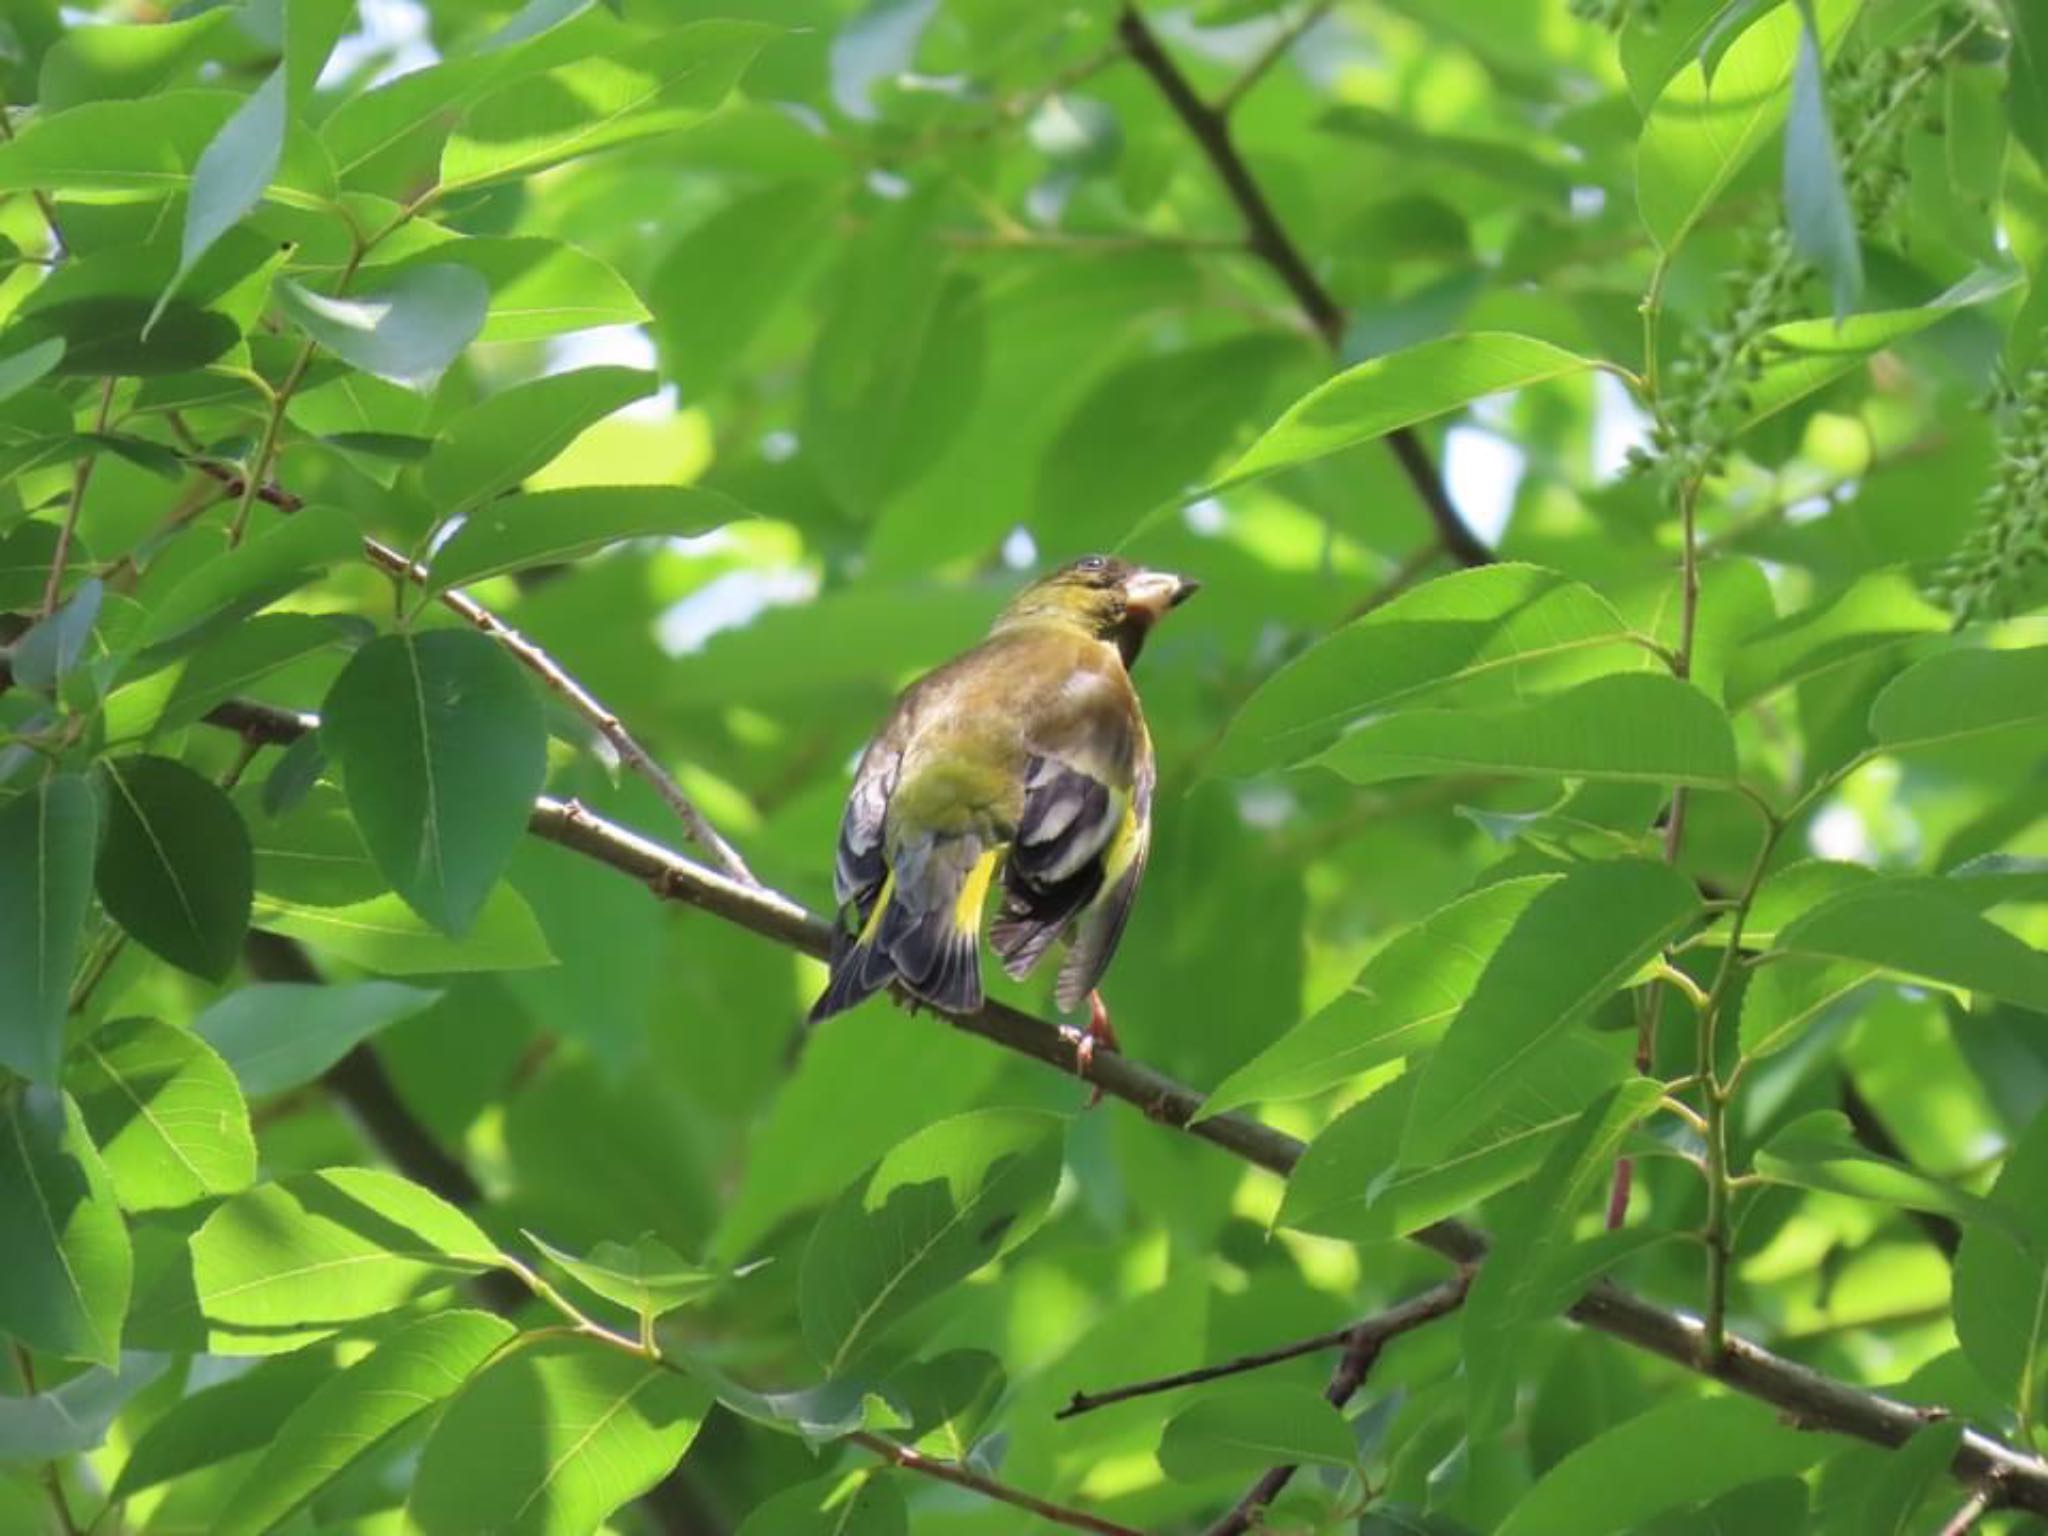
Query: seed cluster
{"points": [[1987, 576]]}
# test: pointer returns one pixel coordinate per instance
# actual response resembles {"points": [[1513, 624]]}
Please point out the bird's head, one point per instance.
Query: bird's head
{"points": [[1103, 596]]}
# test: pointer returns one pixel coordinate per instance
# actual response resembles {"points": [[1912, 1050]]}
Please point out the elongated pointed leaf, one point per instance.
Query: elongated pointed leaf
{"points": [[1399, 390], [385, 935], [2001, 1285], [232, 174], [1816, 202], [1699, 135], [1961, 694], [1630, 728], [356, 1411], [1510, 625], [828, 1507], [277, 1036], [552, 1438], [545, 527], [1575, 945], [442, 748], [176, 871], [47, 842], [1877, 610], [165, 1113], [646, 1277], [1533, 1235], [64, 1287], [298, 1258], [407, 332], [1400, 1004], [1653, 1462], [505, 437], [1820, 1151], [1247, 1428], [1920, 930], [938, 1207]]}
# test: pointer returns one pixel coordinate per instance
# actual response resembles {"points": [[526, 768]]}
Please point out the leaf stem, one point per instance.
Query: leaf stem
{"points": [[80, 480]]}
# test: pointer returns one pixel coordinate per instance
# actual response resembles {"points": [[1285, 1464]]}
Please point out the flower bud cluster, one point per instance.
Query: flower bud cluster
{"points": [[1986, 577]]}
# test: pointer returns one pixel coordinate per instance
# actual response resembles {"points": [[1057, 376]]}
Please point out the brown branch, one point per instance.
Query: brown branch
{"points": [[1362, 1347], [1973, 1509], [1809, 1397], [541, 665], [1395, 1320], [962, 1477], [1209, 126]]}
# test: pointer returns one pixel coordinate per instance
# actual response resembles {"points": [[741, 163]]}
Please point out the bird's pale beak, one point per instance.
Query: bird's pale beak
{"points": [[1153, 592]]}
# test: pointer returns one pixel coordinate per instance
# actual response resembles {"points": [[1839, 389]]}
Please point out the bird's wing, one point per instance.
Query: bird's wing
{"points": [[858, 866], [1079, 790], [1122, 866]]}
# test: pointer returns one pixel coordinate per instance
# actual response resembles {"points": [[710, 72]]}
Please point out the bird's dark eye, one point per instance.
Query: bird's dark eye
{"points": [[1091, 563]]}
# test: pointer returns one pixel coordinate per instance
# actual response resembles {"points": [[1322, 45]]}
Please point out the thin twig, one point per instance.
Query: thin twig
{"points": [[962, 1477], [1814, 1398], [1282, 44], [541, 665], [1384, 1325], [81, 478], [1361, 1352], [1210, 128], [1973, 1509], [53, 1477]]}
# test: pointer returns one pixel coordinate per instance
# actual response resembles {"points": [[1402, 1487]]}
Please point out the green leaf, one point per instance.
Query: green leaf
{"points": [[236, 582], [1789, 994], [75, 1416], [1820, 1151], [120, 63], [541, 288], [505, 437], [18, 370], [358, 1410], [829, 1507], [1633, 727], [658, 88], [149, 145], [2027, 79], [2001, 1283], [237, 659], [1801, 356], [1653, 1463], [442, 747], [1698, 135], [1959, 694], [1398, 1005], [1244, 1430], [233, 173], [175, 871], [721, 284], [1532, 1238], [1907, 1476], [546, 527], [1874, 611], [939, 1206], [1353, 1182], [219, 1422], [116, 335], [51, 650], [298, 1258], [280, 1035], [550, 1439], [646, 1277], [1149, 430], [1817, 212], [165, 1114], [64, 1287], [1508, 625], [309, 853], [385, 935], [1575, 945], [1919, 930], [1399, 390], [47, 840], [407, 332]]}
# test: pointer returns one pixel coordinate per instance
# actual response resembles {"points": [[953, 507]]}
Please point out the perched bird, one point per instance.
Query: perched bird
{"points": [[1023, 762]]}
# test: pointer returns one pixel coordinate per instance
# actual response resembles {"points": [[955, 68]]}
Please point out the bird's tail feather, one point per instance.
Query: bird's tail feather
{"points": [[929, 950]]}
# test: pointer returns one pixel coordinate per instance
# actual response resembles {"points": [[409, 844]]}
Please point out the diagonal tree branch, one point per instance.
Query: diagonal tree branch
{"points": [[1809, 1397], [1362, 1349], [898, 1455], [1395, 1320], [1209, 126], [536, 661]]}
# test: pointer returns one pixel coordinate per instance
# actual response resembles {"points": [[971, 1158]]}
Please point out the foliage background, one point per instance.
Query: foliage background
{"points": [[743, 358]]}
